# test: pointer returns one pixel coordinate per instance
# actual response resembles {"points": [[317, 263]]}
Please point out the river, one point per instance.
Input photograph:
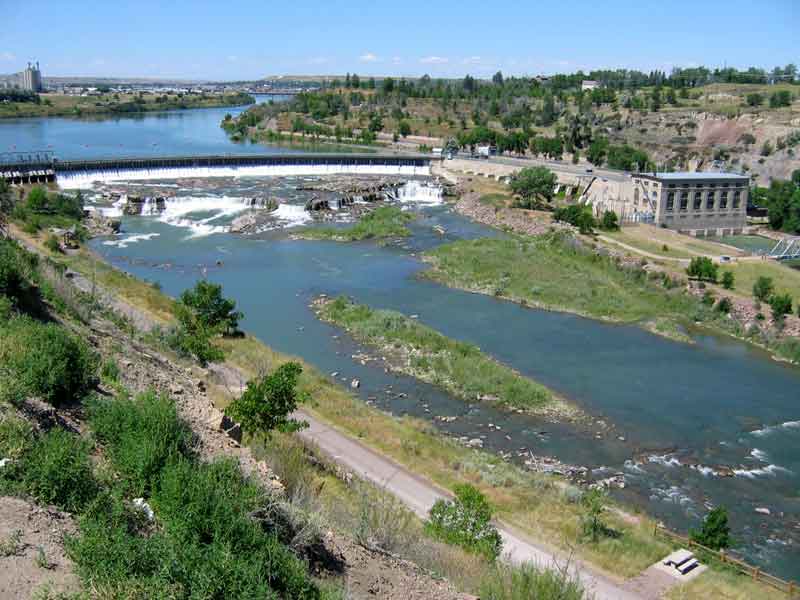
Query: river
{"points": [[686, 414]]}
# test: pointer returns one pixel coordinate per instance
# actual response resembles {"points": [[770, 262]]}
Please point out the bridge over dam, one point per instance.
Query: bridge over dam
{"points": [[35, 168]]}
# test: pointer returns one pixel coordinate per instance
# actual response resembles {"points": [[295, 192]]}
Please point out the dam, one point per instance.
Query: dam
{"points": [[21, 168]]}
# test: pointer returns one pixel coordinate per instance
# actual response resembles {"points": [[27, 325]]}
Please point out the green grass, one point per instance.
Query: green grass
{"points": [[458, 367], [382, 223], [555, 272]]}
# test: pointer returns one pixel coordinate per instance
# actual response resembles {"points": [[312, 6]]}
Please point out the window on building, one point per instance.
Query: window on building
{"points": [[698, 200], [710, 201], [670, 201], [737, 198], [684, 201], [723, 200]]}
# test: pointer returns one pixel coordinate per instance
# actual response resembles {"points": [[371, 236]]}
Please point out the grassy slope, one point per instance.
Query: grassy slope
{"points": [[533, 503], [383, 222], [548, 273], [460, 368]]}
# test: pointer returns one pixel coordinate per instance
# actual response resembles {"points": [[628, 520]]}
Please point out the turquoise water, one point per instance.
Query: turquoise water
{"points": [[688, 414]]}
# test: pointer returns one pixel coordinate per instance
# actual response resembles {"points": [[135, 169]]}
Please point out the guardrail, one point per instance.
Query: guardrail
{"points": [[788, 587]]}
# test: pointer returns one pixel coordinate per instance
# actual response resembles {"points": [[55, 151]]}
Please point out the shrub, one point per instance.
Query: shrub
{"points": [[728, 280], [576, 214], [12, 281], [141, 436], [708, 298], [724, 305], [528, 581], [762, 288], [192, 338], [56, 469], [268, 401], [45, 360], [534, 185], [466, 522], [52, 244], [715, 532], [781, 305]]}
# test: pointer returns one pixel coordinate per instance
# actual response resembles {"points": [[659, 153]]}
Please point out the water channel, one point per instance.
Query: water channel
{"points": [[683, 416]]}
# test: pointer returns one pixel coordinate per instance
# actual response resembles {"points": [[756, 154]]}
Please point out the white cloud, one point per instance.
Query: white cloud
{"points": [[7, 56], [434, 60], [368, 57]]}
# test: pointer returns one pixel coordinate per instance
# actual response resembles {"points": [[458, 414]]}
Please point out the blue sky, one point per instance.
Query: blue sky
{"points": [[244, 39]]}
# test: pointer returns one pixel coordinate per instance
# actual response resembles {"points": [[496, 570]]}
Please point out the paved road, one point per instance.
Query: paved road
{"points": [[555, 165], [419, 495]]}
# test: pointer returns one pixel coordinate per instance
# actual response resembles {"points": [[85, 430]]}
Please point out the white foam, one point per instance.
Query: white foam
{"points": [[291, 215], [632, 466], [770, 470], [85, 179], [773, 428], [759, 455], [130, 239], [672, 494], [176, 211], [704, 470], [664, 460]]}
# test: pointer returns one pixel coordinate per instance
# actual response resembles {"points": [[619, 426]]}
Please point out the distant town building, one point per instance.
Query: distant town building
{"points": [[589, 84], [29, 80], [694, 203]]}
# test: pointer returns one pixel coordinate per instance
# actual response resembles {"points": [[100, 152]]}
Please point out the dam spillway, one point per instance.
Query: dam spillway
{"points": [[82, 173]]}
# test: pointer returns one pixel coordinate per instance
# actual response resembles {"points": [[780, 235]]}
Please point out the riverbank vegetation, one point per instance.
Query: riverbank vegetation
{"points": [[556, 271], [382, 223], [541, 506], [459, 367], [59, 105]]}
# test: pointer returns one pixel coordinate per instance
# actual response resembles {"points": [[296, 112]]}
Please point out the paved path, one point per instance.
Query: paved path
{"points": [[419, 495]]}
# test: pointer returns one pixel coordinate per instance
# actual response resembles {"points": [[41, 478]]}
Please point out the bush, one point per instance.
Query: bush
{"points": [[52, 244], [781, 305], [594, 504], [466, 522], [724, 305], [192, 339], [141, 436], [535, 185], [715, 532], [578, 215], [45, 360], [268, 401], [56, 469], [529, 581], [12, 281], [762, 288], [728, 280]]}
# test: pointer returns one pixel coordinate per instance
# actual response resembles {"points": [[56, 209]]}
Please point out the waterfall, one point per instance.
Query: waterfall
{"points": [[420, 193], [84, 179]]}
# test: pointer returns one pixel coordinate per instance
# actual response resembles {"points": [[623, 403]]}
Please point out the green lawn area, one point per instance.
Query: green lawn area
{"points": [[554, 272], [785, 278], [647, 245]]}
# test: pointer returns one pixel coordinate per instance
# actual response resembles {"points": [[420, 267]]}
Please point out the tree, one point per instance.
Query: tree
{"points": [[597, 151], [534, 184], [578, 215], [781, 305], [703, 268], [497, 78], [762, 288], [593, 502], [780, 98], [404, 128], [609, 222], [268, 401], [727, 280], [466, 522], [211, 308], [36, 201], [715, 532]]}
